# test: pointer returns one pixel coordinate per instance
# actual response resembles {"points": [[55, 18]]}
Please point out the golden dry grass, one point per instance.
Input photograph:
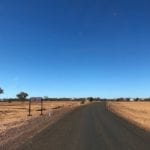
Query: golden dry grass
{"points": [[16, 113], [135, 112]]}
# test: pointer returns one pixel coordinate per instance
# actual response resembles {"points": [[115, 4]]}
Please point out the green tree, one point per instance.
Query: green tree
{"points": [[46, 98], [1, 91], [90, 99], [22, 96]]}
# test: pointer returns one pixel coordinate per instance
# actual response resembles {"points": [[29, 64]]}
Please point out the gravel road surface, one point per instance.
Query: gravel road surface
{"points": [[91, 127]]}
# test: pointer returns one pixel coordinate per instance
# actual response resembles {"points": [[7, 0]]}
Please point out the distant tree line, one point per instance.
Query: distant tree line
{"points": [[23, 96]]}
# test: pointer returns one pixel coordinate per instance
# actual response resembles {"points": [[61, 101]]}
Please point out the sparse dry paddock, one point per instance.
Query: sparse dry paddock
{"points": [[15, 113], [135, 112]]}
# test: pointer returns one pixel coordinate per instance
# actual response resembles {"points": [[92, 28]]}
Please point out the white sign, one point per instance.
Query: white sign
{"points": [[36, 98]]}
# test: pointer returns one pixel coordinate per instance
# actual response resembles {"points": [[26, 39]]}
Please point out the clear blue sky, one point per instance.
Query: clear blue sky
{"points": [[75, 48]]}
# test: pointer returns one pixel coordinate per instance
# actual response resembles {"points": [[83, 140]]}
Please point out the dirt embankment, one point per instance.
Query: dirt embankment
{"points": [[16, 113], [137, 113], [20, 128]]}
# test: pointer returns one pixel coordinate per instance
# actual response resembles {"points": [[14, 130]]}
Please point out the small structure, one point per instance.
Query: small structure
{"points": [[131, 99]]}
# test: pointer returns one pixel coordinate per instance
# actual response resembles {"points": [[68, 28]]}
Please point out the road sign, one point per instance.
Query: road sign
{"points": [[35, 99]]}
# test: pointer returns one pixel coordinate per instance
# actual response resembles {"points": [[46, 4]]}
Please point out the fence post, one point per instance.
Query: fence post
{"points": [[41, 106], [29, 108]]}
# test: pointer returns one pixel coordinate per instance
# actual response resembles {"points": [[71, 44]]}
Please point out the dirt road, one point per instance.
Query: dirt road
{"points": [[91, 127]]}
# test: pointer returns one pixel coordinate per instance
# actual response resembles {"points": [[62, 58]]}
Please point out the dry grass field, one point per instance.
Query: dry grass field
{"points": [[135, 112], [16, 113]]}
